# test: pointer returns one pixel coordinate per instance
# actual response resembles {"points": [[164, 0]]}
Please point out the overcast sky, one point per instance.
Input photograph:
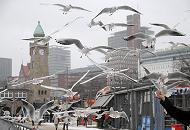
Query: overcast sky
{"points": [[19, 18]]}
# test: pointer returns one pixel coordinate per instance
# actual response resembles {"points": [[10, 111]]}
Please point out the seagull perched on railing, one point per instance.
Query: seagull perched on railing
{"points": [[36, 115], [67, 8], [151, 40], [93, 23], [68, 92], [111, 10], [110, 26], [84, 50]]}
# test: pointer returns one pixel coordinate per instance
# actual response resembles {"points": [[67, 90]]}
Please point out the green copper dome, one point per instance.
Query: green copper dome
{"points": [[39, 32]]}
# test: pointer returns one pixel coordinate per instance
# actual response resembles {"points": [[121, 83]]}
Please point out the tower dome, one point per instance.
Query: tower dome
{"points": [[39, 32]]}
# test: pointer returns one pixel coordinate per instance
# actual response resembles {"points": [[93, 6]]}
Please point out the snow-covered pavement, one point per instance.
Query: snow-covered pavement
{"points": [[50, 126]]}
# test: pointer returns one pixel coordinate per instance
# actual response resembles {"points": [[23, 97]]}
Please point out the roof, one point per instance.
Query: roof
{"points": [[39, 32], [102, 101]]}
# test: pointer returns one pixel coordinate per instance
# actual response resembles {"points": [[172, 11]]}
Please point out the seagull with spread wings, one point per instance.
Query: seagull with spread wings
{"points": [[68, 92], [166, 77], [84, 50], [110, 26], [109, 72], [67, 8], [151, 40], [111, 10], [93, 23], [36, 115], [166, 90]]}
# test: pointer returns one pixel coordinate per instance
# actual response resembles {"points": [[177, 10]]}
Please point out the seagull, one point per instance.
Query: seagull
{"points": [[35, 81], [68, 92], [166, 90], [84, 50], [164, 78], [67, 8], [110, 26], [177, 44], [116, 114], [93, 23], [111, 10], [36, 115], [42, 40], [150, 40], [109, 72]]}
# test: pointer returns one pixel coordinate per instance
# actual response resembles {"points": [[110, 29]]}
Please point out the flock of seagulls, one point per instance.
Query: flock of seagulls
{"points": [[157, 79]]}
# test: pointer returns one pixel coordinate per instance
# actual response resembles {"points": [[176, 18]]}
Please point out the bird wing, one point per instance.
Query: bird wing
{"points": [[145, 50], [93, 78], [178, 75], [137, 35], [32, 39], [128, 8], [105, 10], [80, 8], [60, 5], [70, 42], [29, 108], [173, 85], [70, 22], [79, 80], [45, 77], [45, 107], [3, 91], [124, 115], [183, 44], [146, 70], [126, 76], [54, 88], [169, 32], [26, 82], [152, 76], [101, 47], [161, 25]]}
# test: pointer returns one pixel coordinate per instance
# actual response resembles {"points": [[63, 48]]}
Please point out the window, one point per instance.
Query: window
{"points": [[38, 92], [42, 92]]}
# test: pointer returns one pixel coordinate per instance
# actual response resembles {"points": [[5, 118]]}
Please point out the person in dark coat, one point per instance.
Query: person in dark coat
{"points": [[178, 114]]}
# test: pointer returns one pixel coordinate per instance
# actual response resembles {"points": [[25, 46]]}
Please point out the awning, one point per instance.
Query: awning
{"points": [[102, 101]]}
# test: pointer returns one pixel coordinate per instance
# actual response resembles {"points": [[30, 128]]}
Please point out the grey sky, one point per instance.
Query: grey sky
{"points": [[19, 19]]}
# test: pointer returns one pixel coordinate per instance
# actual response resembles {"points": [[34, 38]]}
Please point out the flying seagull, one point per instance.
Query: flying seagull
{"points": [[69, 92], [150, 40], [165, 26], [84, 50], [109, 72], [166, 90], [111, 10], [36, 115], [110, 26], [93, 23], [67, 8], [164, 78]]}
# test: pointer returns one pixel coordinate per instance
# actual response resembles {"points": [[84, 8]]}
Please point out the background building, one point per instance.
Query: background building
{"points": [[5, 71]]}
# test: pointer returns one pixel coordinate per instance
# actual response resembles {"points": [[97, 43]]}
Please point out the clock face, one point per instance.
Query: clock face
{"points": [[41, 51]]}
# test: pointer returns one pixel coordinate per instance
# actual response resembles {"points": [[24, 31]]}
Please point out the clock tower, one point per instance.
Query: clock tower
{"points": [[39, 67]]}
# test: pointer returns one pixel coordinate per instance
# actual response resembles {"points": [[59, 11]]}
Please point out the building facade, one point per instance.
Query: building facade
{"points": [[5, 70]]}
